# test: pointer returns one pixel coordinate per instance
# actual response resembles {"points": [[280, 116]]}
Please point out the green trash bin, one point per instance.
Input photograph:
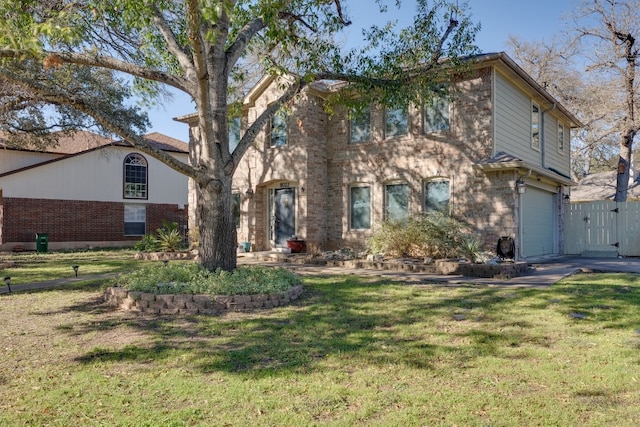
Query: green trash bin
{"points": [[42, 242]]}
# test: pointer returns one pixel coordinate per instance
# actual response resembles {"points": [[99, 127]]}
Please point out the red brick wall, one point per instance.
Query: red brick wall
{"points": [[76, 220]]}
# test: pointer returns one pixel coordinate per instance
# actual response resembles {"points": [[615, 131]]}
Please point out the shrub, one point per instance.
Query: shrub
{"points": [[166, 239], [435, 235], [191, 279], [148, 243]]}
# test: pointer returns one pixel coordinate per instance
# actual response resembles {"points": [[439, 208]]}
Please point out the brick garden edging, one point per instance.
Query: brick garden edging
{"points": [[195, 304], [506, 270]]}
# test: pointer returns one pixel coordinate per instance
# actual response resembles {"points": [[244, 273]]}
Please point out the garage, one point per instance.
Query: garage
{"points": [[537, 222]]}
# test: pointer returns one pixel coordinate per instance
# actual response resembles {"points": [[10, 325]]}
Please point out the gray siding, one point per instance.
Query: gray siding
{"points": [[513, 121]]}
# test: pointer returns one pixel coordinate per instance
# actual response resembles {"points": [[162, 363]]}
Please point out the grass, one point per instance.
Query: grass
{"points": [[351, 352], [32, 267]]}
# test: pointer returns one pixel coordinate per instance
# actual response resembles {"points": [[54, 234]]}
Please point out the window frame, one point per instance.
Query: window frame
{"points": [[235, 132], [405, 131], [425, 206], [535, 126], [387, 199], [351, 206], [561, 136], [278, 130], [127, 213], [439, 103], [130, 189], [354, 120]]}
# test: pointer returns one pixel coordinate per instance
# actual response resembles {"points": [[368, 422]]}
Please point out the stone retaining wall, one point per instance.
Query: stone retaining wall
{"points": [[195, 304], [505, 270]]}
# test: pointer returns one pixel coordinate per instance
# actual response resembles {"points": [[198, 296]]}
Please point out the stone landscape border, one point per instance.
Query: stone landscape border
{"points": [[196, 304]]}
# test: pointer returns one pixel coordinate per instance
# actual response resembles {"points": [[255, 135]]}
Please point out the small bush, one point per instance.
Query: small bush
{"points": [[166, 239], [191, 279], [434, 235], [148, 243]]}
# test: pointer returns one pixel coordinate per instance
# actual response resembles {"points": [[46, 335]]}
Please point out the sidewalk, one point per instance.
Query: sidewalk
{"points": [[543, 272]]}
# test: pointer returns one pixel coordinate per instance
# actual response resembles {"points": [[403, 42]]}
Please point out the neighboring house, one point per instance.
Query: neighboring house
{"points": [[602, 186], [89, 191], [496, 154]]}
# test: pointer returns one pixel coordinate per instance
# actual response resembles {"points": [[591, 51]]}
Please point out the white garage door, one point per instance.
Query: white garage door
{"points": [[537, 225]]}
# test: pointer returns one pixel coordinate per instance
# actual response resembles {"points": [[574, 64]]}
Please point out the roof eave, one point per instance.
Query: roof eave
{"points": [[525, 168]]}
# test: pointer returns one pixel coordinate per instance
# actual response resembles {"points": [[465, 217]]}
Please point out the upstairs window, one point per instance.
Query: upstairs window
{"points": [[279, 129], [535, 127], [397, 122], [437, 195], [560, 137], [360, 126], [397, 202], [135, 177], [435, 116], [234, 133], [360, 208]]}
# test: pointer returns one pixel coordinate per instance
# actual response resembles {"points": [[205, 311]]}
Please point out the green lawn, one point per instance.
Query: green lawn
{"points": [[350, 352], [32, 267]]}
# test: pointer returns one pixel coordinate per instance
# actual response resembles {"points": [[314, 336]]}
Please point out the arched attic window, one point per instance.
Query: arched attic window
{"points": [[135, 177]]}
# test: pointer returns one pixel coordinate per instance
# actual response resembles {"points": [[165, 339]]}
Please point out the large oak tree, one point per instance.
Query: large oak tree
{"points": [[199, 47]]}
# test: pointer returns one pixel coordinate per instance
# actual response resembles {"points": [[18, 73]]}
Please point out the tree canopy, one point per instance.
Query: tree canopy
{"points": [[201, 47]]}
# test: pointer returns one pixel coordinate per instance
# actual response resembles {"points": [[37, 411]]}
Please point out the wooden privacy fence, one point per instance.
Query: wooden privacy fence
{"points": [[602, 228]]}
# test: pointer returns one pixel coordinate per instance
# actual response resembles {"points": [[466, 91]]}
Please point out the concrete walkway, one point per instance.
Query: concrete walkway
{"points": [[543, 272]]}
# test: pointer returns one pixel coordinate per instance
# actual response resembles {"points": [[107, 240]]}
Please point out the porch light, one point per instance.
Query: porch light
{"points": [[249, 193], [521, 186], [566, 199], [7, 281], [75, 269]]}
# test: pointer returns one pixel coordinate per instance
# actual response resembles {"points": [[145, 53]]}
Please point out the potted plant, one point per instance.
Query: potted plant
{"points": [[295, 244]]}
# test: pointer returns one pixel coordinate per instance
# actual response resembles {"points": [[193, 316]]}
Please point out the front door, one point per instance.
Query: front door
{"points": [[284, 217]]}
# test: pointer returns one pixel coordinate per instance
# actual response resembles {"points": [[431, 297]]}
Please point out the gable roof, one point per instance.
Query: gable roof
{"points": [[75, 147], [83, 140]]}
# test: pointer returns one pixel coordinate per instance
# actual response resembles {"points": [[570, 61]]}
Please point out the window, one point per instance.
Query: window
{"points": [[279, 129], [360, 208], [535, 127], [135, 177], [436, 115], [437, 194], [360, 126], [235, 207], [234, 133], [397, 122], [397, 202], [560, 137], [135, 220]]}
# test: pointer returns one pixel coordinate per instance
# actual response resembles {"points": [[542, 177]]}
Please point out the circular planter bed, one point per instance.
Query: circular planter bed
{"points": [[162, 256], [196, 304]]}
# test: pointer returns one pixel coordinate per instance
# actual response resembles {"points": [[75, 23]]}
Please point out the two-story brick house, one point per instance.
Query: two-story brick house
{"points": [[496, 153]]}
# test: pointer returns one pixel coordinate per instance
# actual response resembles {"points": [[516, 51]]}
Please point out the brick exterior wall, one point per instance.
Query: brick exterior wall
{"points": [[76, 220], [321, 164]]}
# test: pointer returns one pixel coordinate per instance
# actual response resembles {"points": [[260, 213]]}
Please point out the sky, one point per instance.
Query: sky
{"points": [[529, 20]]}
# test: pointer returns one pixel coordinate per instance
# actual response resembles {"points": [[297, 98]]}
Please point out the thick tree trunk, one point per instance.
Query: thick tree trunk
{"points": [[624, 166], [217, 240]]}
